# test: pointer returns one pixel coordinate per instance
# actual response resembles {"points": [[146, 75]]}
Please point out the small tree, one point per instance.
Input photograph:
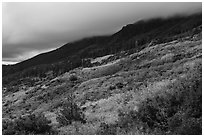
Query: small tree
{"points": [[70, 112], [73, 78]]}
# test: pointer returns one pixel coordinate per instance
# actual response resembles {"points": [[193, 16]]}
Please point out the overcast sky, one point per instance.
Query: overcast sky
{"points": [[33, 28]]}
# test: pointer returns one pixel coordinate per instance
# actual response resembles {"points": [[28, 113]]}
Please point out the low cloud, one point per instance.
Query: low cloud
{"points": [[33, 28]]}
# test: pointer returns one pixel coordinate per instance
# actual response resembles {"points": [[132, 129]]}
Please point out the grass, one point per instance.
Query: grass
{"points": [[175, 111], [165, 97]]}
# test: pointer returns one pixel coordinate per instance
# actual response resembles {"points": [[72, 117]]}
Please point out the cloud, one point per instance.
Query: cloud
{"points": [[32, 28]]}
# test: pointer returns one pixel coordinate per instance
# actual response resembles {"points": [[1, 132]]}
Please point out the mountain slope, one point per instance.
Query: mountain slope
{"points": [[130, 36], [157, 90]]}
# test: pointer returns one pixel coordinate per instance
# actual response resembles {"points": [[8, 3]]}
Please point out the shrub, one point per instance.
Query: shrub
{"points": [[190, 126], [73, 78], [184, 104], [107, 129], [30, 124], [119, 85], [176, 111], [70, 112], [112, 87], [152, 115]]}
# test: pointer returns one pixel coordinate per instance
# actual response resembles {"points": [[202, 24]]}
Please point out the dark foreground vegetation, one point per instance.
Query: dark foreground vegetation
{"points": [[27, 125], [177, 111], [38, 124]]}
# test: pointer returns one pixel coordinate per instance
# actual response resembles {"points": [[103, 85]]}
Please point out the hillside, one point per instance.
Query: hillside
{"points": [[151, 88], [132, 36]]}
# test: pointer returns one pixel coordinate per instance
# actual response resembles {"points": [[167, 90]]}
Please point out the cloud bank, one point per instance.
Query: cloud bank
{"points": [[33, 28]]}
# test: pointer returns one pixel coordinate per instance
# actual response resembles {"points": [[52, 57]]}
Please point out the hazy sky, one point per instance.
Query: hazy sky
{"points": [[33, 28]]}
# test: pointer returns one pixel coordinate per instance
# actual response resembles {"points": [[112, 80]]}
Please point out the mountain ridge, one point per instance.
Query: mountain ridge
{"points": [[123, 29], [131, 36]]}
